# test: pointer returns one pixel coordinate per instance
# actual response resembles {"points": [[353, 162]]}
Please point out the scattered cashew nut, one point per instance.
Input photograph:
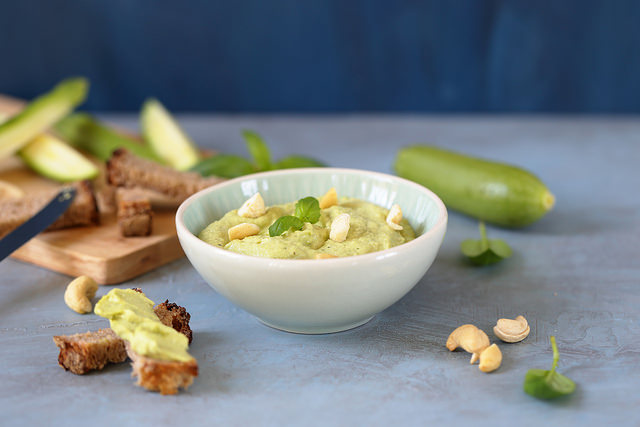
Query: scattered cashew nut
{"points": [[325, 256], [470, 338], [10, 191], [394, 217], [340, 228], [490, 358], [329, 199], [253, 207], [78, 294], [243, 230], [510, 330]]}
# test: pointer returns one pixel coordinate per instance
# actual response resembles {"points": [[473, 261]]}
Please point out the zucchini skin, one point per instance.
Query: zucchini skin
{"points": [[84, 132], [491, 191], [41, 113], [166, 138], [52, 158]]}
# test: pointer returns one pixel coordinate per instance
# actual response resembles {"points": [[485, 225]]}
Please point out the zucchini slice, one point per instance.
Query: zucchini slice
{"points": [[54, 159], [86, 133], [40, 114], [166, 138]]}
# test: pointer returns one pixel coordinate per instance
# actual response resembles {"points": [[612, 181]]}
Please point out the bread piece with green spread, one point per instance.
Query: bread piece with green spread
{"points": [[89, 351], [159, 353]]}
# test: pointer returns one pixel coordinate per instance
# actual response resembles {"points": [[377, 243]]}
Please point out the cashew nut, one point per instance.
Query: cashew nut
{"points": [[510, 330], [470, 338], [329, 199], [325, 256], [490, 358], [243, 230], [253, 207], [79, 293], [340, 228], [10, 191], [394, 217]]}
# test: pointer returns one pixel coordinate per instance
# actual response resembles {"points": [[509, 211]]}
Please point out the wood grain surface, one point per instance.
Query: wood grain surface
{"points": [[98, 251]]}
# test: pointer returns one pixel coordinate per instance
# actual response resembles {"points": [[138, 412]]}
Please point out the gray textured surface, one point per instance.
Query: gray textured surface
{"points": [[575, 274]]}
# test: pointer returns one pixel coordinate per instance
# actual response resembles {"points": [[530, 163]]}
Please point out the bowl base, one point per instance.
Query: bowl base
{"points": [[317, 330]]}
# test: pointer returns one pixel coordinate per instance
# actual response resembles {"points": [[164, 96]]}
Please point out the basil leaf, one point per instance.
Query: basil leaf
{"points": [[291, 162], [308, 209], [224, 165], [258, 150], [548, 384], [285, 223], [485, 251]]}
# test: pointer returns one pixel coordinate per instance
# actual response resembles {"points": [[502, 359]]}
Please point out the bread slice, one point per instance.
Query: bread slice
{"points": [[82, 353], [127, 170], [134, 212], [82, 211], [171, 314], [161, 375]]}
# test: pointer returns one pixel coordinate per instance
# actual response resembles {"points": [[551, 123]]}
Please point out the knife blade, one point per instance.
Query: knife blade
{"points": [[37, 223]]}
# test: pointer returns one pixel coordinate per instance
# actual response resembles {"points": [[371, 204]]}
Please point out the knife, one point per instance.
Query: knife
{"points": [[37, 223]]}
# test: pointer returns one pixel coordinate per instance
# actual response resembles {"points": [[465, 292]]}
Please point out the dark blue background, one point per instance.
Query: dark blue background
{"points": [[334, 55]]}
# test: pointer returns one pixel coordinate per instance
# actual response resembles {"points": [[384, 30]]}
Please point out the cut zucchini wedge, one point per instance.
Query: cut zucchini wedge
{"points": [[86, 133], [50, 157], [40, 114], [166, 138]]}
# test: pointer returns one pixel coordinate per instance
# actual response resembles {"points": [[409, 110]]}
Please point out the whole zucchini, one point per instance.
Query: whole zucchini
{"points": [[491, 191]]}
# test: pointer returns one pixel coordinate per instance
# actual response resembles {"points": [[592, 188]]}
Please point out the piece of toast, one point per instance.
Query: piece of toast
{"points": [[128, 170], [134, 212], [82, 211], [161, 375], [171, 314], [82, 353]]}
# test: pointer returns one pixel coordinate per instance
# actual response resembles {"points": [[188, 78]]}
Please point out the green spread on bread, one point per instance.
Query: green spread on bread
{"points": [[132, 318]]}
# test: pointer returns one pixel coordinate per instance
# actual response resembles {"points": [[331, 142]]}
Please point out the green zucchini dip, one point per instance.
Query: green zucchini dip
{"points": [[368, 232]]}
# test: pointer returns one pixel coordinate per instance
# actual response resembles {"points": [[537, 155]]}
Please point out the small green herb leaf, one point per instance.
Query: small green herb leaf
{"points": [[548, 384], [292, 162], [308, 209], [258, 150], [224, 165], [485, 251], [285, 223]]}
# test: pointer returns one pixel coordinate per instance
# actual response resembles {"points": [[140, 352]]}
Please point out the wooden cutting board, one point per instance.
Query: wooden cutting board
{"points": [[99, 251]]}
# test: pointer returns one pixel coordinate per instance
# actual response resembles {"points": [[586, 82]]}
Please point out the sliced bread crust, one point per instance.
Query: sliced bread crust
{"points": [[82, 211], [127, 170], [135, 215], [81, 353]]}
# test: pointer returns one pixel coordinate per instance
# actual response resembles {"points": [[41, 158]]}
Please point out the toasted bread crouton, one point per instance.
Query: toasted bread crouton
{"points": [[81, 353], [161, 375], [127, 170], [134, 212], [171, 314], [82, 211]]}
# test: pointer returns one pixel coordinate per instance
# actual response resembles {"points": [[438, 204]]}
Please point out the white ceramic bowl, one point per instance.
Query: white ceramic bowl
{"points": [[314, 296]]}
